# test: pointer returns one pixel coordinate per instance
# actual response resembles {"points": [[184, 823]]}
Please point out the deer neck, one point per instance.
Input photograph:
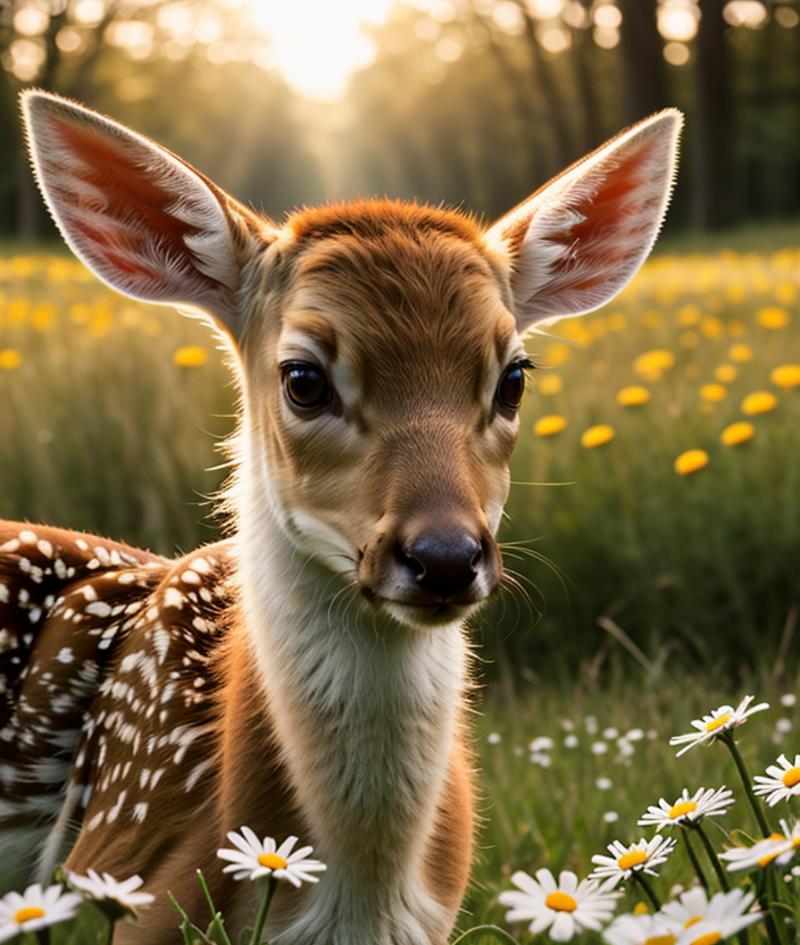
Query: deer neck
{"points": [[364, 711]]}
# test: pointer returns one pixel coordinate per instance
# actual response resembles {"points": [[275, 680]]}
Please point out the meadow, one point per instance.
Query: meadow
{"points": [[112, 411], [653, 523]]}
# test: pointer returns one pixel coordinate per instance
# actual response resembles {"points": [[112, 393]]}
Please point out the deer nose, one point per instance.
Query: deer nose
{"points": [[442, 564]]}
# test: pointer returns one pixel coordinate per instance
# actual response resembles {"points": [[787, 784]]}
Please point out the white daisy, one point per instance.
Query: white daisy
{"points": [[639, 930], [542, 743], [721, 720], [36, 908], [694, 906], [564, 907], [782, 781], [641, 856], [727, 922], [254, 858], [107, 889], [705, 802], [779, 847]]}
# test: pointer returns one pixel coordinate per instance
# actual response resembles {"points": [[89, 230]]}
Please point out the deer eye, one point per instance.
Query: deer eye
{"points": [[305, 385], [511, 387]]}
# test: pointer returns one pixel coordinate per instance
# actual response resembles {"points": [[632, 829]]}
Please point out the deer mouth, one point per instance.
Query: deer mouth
{"points": [[426, 614]]}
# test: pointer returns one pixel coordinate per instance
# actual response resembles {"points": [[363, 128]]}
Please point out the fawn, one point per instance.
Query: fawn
{"points": [[308, 675]]}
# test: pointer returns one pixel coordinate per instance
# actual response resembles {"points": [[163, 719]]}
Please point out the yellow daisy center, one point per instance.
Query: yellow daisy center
{"points": [[560, 902], [690, 922], [660, 940], [791, 777], [684, 807], [27, 913], [272, 861], [634, 858], [718, 722], [708, 939], [769, 857]]}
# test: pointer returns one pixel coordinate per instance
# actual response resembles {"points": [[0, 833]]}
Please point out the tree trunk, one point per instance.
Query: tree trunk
{"points": [[644, 85], [581, 56], [554, 105], [715, 192]]}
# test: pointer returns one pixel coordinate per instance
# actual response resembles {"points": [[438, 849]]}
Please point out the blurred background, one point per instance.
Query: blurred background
{"points": [[468, 101], [655, 507]]}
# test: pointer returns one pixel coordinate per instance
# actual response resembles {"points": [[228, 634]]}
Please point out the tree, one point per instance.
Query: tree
{"points": [[712, 128], [644, 84]]}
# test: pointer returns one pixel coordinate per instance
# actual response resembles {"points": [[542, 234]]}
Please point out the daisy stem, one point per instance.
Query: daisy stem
{"points": [[723, 879], [721, 875], [695, 862], [727, 738], [261, 918], [111, 923], [647, 888], [776, 928]]}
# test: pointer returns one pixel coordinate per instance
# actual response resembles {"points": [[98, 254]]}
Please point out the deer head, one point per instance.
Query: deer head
{"points": [[379, 344]]}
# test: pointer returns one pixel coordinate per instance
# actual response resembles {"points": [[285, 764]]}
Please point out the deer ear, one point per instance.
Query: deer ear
{"points": [[580, 239], [145, 222]]}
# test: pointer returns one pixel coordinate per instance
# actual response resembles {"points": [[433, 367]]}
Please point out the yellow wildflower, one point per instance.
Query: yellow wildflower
{"points": [[576, 331], [772, 316], [725, 373], [740, 352], [10, 359], [786, 292], [633, 396], [688, 315], [549, 385], [597, 435], [712, 327], [760, 401], [549, 425], [190, 356], [786, 375], [690, 462], [736, 433], [713, 392], [653, 364], [43, 316], [557, 353]]}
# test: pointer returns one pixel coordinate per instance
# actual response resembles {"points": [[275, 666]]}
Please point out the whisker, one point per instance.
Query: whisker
{"points": [[518, 482]]}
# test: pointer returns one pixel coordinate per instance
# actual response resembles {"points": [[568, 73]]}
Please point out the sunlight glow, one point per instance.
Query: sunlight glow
{"points": [[317, 45], [678, 21]]}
